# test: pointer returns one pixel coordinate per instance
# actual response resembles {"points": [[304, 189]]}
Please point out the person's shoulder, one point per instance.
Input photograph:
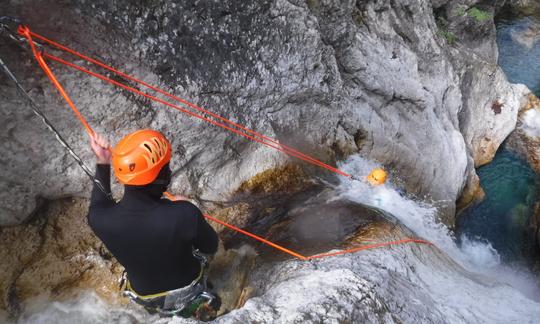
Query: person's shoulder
{"points": [[101, 210], [184, 206], [99, 215]]}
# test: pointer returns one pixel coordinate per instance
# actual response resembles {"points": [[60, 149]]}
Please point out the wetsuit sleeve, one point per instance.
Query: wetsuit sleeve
{"points": [[206, 238], [98, 198]]}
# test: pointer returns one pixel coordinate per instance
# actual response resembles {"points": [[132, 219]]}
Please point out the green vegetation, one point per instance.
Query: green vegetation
{"points": [[478, 14], [450, 37], [442, 25]]}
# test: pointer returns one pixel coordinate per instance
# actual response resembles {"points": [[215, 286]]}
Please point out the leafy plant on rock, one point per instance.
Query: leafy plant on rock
{"points": [[443, 31], [450, 37], [479, 15]]}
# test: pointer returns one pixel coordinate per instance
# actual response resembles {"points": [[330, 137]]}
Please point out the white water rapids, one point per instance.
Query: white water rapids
{"points": [[400, 284]]}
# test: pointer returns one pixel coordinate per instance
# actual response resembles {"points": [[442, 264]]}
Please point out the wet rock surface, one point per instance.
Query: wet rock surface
{"points": [[330, 78], [525, 139], [314, 226]]}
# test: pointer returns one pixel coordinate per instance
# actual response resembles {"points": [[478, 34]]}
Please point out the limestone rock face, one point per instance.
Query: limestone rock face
{"points": [[331, 78], [412, 84]]}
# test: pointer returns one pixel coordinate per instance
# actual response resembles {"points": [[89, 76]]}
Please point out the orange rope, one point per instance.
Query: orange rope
{"points": [[258, 238], [25, 31], [239, 230], [146, 95], [322, 255], [260, 138], [313, 257]]}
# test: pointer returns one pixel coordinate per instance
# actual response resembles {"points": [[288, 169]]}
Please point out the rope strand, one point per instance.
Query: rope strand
{"points": [[190, 113], [38, 55], [167, 94]]}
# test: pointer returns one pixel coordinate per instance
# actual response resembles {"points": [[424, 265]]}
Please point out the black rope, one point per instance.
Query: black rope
{"points": [[37, 111]]}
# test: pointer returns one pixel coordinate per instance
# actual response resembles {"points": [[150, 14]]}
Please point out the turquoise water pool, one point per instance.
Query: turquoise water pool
{"points": [[502, 217]]}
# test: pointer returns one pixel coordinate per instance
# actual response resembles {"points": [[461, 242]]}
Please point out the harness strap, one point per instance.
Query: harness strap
{"points": [[165, 293], [181, 298]]}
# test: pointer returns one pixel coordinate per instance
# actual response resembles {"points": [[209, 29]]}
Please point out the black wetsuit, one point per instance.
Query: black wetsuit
{"points": [[151, 237]]}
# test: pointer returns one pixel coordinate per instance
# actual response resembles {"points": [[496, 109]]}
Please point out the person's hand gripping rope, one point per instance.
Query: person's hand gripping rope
{"points": [[101, 147]]}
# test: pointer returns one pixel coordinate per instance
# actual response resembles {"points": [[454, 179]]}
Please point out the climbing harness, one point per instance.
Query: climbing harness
{"points": [[187, 301], [201, 113]]}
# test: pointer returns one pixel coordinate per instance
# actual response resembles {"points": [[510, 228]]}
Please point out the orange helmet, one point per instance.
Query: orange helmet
{"points": [[139, 156]]}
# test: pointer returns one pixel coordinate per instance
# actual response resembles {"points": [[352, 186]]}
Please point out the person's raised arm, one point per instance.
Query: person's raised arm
{"points": [[100, 146]]}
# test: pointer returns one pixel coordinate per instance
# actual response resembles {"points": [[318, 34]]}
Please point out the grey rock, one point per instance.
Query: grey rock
{"points": [[331, 78]]}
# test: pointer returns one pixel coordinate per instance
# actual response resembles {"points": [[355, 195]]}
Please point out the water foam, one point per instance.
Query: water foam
{"points": [[86, 308], [418, 216], [473, 254], [531, 122]]}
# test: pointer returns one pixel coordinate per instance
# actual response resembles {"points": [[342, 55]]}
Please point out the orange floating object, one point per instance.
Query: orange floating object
{"points": [[377, 177]]}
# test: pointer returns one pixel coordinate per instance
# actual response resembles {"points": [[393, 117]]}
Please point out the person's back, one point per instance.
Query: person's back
{"points": [[151, 237]]}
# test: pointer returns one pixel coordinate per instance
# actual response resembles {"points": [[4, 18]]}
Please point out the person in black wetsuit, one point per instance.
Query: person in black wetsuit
{"points": [[151, 237]]}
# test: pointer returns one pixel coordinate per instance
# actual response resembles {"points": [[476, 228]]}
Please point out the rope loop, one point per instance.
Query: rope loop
{"points": [[23, 30]]}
